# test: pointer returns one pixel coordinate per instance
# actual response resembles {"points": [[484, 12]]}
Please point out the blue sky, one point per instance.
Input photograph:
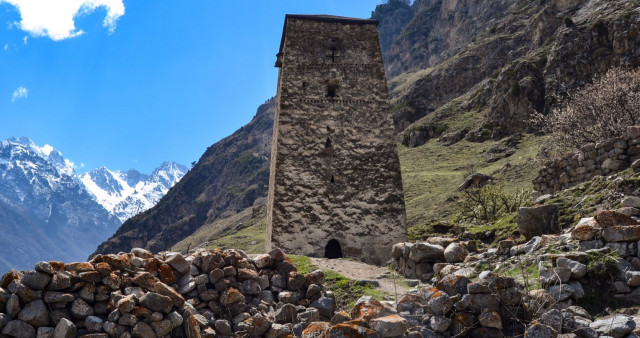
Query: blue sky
{"points": [[163, 81]]}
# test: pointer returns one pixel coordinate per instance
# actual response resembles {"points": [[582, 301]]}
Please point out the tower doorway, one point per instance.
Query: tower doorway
{"points": [[333, 250]]}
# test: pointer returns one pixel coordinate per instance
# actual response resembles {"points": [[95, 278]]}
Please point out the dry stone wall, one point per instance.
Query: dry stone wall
{"points": [[208, 294], [335, 187], [591, 160]]}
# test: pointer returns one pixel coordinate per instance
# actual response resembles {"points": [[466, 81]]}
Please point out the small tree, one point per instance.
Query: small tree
{"points": [[595, 113]]}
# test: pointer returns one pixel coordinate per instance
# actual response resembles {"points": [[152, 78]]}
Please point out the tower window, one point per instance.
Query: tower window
{"points": [[333, 180], [332, 91], [327, 144]]}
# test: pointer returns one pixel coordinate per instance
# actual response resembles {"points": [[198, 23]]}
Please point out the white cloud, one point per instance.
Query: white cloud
{"points": [[24, 40], [20, 93], [6, 47], [55, 18]]}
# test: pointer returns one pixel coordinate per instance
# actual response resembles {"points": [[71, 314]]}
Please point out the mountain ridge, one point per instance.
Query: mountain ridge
{"points": [[48, 212]]}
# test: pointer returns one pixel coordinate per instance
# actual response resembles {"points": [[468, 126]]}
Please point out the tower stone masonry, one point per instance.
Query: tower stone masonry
{"points": [[335, 188]]}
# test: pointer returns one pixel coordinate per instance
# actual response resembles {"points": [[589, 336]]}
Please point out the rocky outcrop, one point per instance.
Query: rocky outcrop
{"points": [[591, 160], [514, 58]]}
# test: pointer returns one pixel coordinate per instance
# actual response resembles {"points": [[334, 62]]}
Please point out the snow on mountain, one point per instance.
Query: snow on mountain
{"points": [[48, 211], [125, 194]]}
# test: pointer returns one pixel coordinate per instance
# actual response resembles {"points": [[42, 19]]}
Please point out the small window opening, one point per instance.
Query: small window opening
{"points": [[327, 144], [332, 91], [333, 250], [333, 180], [334, 50], [329, 129]]}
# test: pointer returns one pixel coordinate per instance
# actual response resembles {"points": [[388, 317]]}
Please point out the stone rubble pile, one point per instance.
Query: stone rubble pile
{"points": [[207, 294], [591, 160], [423, 260]]}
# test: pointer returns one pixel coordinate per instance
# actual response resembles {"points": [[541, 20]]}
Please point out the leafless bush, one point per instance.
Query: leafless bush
{"points": [[595, 113], [488, 203]]}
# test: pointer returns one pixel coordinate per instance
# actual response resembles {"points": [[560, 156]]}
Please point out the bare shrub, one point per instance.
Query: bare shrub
{"points": [[488, 203], [595, 113]]}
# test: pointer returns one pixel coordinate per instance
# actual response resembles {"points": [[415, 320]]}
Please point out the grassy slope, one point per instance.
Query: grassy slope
{"points": [[433, 171], [240, 231]]}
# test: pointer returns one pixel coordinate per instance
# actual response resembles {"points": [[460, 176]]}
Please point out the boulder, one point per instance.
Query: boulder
{"points": [[35, 313], [421, 252], [536, 221], [455, 253], [585, 230], [609, 218], [626, 233]]}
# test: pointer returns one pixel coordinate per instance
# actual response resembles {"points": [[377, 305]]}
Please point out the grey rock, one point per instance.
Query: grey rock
{"points": [[45, 267], [554, 276], [440, 304], [36, 280], [439, 324], [61, 280], [578, 270], [389, 326], [19, 329], [616, 326], [536, 221], [421, 252], [454, 284], [533, 244], [175, 319], [4, 319], [142, 330], [35, 313], [553, 319], [632, 278], [540, 331], [93, 324], [285, 314], [128, 319], [177, 261], [80, 309], [223, 327], [288, 297], [309, 316], [631, 202], [455, 253], [560, 292], [279, 330], [325, 306], [65, 329], [45, 332], [162, 327], [156, 302], [13, 306], [58, 297]]}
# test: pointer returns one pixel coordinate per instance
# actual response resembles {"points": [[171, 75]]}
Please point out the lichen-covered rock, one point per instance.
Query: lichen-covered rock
{"points": [[585, 230], [389, 326], [420, 252], [610, 218]]}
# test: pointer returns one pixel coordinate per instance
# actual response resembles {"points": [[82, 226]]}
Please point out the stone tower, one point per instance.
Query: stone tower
{"points": [[335, 188]]}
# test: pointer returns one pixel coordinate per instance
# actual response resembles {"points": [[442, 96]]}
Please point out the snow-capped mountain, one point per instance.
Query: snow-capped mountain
{"points": [[127, 193], [48, 211]]}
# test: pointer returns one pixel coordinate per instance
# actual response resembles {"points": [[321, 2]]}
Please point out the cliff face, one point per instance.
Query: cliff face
{"points": [[515, 57], [228, 178]]}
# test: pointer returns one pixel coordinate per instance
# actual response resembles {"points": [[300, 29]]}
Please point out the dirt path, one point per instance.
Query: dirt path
{"points": [[359, 271]]}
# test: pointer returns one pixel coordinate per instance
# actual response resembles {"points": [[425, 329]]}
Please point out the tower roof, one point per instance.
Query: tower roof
{"points": [[323, 18]]}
